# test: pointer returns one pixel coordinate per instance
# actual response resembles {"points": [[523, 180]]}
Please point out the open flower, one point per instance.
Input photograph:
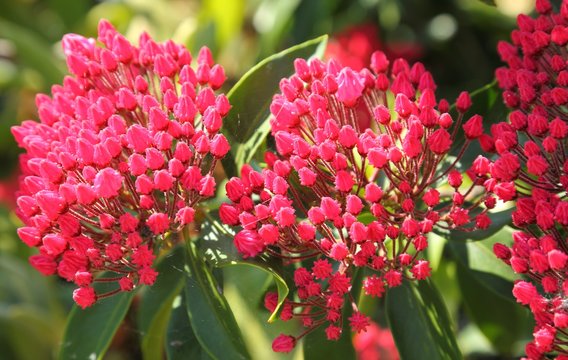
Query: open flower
{"points": [[531, 169], [352, 198], [123, 152]]}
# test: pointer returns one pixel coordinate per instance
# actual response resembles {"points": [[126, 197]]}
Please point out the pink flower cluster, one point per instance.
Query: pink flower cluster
{"points": [[123, 152], [348, 197], [532, 165]]}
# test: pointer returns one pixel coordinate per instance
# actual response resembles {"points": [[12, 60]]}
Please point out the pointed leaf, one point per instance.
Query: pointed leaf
{"points": [[281, 285], [89, 332], [181, 342], [211, 318], [246, 125], [420, 323], [156, 303], [504, 323], [478, 257], [217, 245]]}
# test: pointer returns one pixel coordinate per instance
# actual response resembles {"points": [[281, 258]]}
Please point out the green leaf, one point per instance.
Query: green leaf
{"points": [[246, 126], [281, 285], [489, 2], [34, 52], [89, 332], [504, 323], [478, 257], [486, 284], [273, 19], [211, 318], [156, 303], [420, 323], [217, 245], [181, 342]]}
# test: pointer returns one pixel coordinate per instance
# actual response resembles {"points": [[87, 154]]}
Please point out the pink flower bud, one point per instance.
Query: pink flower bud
{"points": [[525, 292], [185, 215], [84, 297], [463, 103], [158, 223], [248, 243], [107, 183], [283, 343], [350, 87], [339, 251], [557, 259], [473, 128]]}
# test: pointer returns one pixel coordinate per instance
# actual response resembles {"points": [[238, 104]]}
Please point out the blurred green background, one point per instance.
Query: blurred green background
{"points": [[455, 39]]}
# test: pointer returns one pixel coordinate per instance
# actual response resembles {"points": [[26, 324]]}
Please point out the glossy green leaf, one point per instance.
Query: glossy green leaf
{"points": [[281, 285], [484, 265], [156, 303], [217, 245], [486, 284], [89, 332], [246, 126], [272, 18], [504, 323], [181, 342], [211, 318], [420, 323]]}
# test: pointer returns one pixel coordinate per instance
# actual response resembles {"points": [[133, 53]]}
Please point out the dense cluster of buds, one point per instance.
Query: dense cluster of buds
{"points": [[531, 162], [348, 196], [124, 151]]}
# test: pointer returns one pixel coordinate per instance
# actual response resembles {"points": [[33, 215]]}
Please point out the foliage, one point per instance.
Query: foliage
{"points": [[207, 301]]}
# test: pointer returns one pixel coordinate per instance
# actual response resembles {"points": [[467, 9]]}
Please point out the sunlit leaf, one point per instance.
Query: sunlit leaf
{"points": [[89, 332], [217, 245], [246, 125], [181, 342], [479, 258], [503, 322], [211, 318], [156, 303], [420, 323], [486, 284]]}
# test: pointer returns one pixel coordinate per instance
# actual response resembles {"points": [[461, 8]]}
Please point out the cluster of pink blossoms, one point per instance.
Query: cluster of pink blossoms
{"points": [[348, 196], [124, 151], [532, 163]]}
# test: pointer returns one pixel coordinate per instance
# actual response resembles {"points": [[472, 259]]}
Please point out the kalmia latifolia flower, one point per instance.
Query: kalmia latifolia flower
{"points": [[123, 152], [531, 169], [351, 198]]}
